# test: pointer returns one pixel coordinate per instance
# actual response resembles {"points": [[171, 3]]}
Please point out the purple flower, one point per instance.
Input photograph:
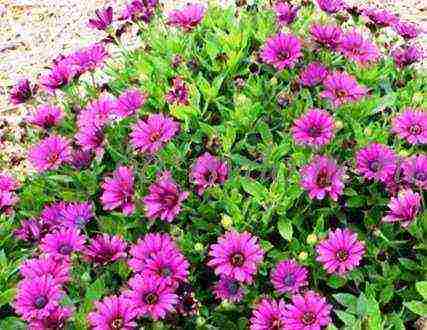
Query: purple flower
{"points": [[50, 153], [411, 125], [164, 199], [77, 215], [407, 55], [59, 76], [406, 30], [309, 311], [31, 230], [282, 51], [52, 214], [47, 116], [103, 19], [151, 296], [179, 92], [90, 138], [98, 112], [151, 135], [403, 208], [8, 197], [313, 75], [129, 102], [289, 276], [415, 171], [285, 13], [228, 289], [356, 48], [322, 177], [315, 128], [139, 10], [81, 159], [22, 92], [376, 161], [340, 252], [341, 88], [63, 242], [188, 17], [381, 18], [237, 256], [331, 6], [104, 249], [268, 315], [207, 172], [118, 191], [37, 297], [113, 313], [328, 36], [87, 59], [56, 320], [57, 268]]}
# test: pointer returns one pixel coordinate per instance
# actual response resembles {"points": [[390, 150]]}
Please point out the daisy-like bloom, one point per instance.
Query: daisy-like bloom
{"points": [[207, 172], [411, 125], [77, 215], [104, 249], [376, 161], [63, 242], [56, 320], [315, 128], [285, 13], [307, 312], [47, 116], [118, 191], [52, 214], [98, 112], [151, 135], [313, 75], [358, 49], [22, 92], [58, 268], [403, 208], [380, 18], [341, 88], [87, 59], [59, 76], [37, 297], [415, 171], [50, 153], [331, 6], [340, 252], [322, 177], [268, 315], [237, 256], [113, 313], [282, 51], [188, 17], [164, 199], [406, 30], [179, 92], [31, 230], [151, 296], [8, 197], [103, 19], [289, 276], [138, 10], [228, 289], [90, 139], [81, 159], [148, 247], [407, 55], [328, 36], [129, 102]]}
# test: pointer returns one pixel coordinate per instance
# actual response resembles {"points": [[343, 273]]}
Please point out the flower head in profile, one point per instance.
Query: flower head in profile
{"points": [[60, 75], [178, 93], [289, 276], [139, 10], [340, 252], [380, 18], [50, 153], [164, 199], [32, 230], [376, 161], [411, 125], [207, 172], [103, 19], [406, 30], [331, 6], [356, 48], [285, 13], [407, 55], [77, 215], [313, 75], [237, 256], [151, 135], [47, 116], [118, 191], [188, 17], [87, 59], [282, 51], [104, 249], [129, 102], [57, 319], [228, 289], [8, 197], [22, 92], [415, 171], [90, 139], [57, 268], [63, 243], [404, 208], [322, 177], [268, 315], [328, 36]]}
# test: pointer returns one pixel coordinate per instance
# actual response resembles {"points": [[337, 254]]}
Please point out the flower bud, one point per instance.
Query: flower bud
{"points": [[199, 247], [303, 256], [226, 221], [311, 239], [339, 125]]}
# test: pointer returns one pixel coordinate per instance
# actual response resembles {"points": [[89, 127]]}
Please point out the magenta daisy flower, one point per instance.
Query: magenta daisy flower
{"points": [[118, 191], [98, 113], [341, 88], [151, 296], [152, 135], [376, 161], [228, 289], [7, 183], [37, 297], [164, 199], [328, 36], [103, 19], [411, 125], [90, 138], [358, 49], [138, 10], [285, 13], [289, 276], [113, 313], [340, 252], [31, 230], [407, 55], [77, 215], [22, 92], [50, 153], [56, 320], [129, 102], [188, 17], [207, 172], [58, 268], [403, 208], [8, 198], [63, 242], [322, 177], [47, 116], [313, 75], [87, 59], [104, 249], [307, 312], [268, 315], [81, 159], [178, 93], [52, 214], [331, 6], [237, 256], [59, 76], [406, 30], [315, 128], [380, 17], [415, 171], [282, 51]]}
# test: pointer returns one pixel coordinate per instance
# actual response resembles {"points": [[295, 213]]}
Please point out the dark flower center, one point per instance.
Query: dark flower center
{"points": [[416, 129], [233, 287], [315, 131], [40, 302], [308, 318], [65, 249], [117, 324], [165, 272], [276, 324], [49, 120], [53, 158], [420, 176], [80, 221], [211, 177], [289, 280], [171, 200], [323, 180], [154, 137], [374, 165], [151, 298], [283, 55], [342, 255], [237, 260], [341, 93]]}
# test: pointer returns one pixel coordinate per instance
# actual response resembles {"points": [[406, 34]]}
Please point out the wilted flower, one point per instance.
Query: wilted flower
{"points": [[282, 51], [356, 48], [103, 19], [415, 171], [22, 92], [406, 30], [188, 17], [228, 289], [379, 17], [57, 268], [285, 13], [331, 6], [57, 319], [47, 116], [179, 92], [376, 161], [313, 75], [411, 125], [328, 36], [63, 242], [104, 249], [207, 172], [77, 215], [404, 208], [289, 276], [50, 153], [59, 76], [268, 315], [139, 10], [129, 102]]}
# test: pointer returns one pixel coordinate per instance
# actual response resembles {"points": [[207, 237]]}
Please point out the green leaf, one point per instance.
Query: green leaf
{"points": [[254, 188], [94, 292], [285, 228], [347, 300], [7, 296], [422, 288], [347, 318], [336, 281], [416, 307]]}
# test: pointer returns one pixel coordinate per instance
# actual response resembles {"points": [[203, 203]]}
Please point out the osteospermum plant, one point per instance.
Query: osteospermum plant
{"points": [[251, 167]]}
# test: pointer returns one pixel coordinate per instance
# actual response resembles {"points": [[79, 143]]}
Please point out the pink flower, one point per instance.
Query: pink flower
{"points": [[57, 319], [356, 48], [179, 92], [376, 161], [406, 30], [59, 76], [228, 289], [268, 315], [415, 171], [282, 51], [285, 13], [52, 214], [99, 112], [90, 138], [50, 153], [407, 55], [411, 125], [207, 172], [103, 19], [152, 135], [236, 255], [77, 215], [129, 102], [138, 10], [381, 18], [331, 6], [47, 116], [87, 59], [188, 17], [8, 197], [32, 230], [340, 252], [22, 92], [63, 242], [81, 159], [322, 177], [58, 268], [313, 75], [328, 36], [104, 249], [164, 199], [403, 208], [289, 276]]}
